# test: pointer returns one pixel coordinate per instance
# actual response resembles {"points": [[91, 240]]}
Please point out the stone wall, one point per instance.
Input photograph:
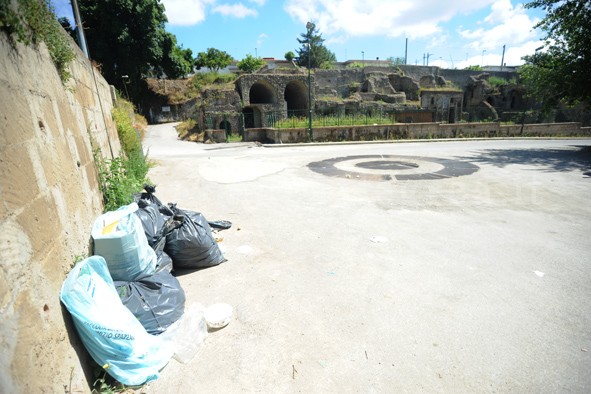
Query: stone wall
{"points": [[172, 112], [49, 197], [337, 83], [414, 131], [460, 78]]}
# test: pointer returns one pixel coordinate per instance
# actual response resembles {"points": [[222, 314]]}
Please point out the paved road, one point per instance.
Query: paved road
{"points": [[349, 276]]}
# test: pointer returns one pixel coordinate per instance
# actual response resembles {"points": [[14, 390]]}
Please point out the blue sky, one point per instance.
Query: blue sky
{"points": [[455, 33]]}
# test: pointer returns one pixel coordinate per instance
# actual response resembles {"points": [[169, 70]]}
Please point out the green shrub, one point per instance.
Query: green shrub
{"points": [[209, 79], [497, 81], [355, 65], [123, 176]]}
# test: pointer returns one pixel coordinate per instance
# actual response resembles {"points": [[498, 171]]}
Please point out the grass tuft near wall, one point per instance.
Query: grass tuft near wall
{"points": [[126, 175]]}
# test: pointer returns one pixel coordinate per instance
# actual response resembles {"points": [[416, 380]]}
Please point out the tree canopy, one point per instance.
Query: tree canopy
{"points": [[128, 38], [289, 56], [560, 71], [319, 54], [176, 62], [250, 63], [214, 59]]}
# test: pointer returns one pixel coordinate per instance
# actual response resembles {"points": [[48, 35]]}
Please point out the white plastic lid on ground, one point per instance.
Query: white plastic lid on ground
{"points": [[218, 315]]}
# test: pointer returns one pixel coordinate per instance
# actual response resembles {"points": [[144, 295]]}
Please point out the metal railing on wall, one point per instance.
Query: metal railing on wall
{"points": [[299, 119], [232, 124]]}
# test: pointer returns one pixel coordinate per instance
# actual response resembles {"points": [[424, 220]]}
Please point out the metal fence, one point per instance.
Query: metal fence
{"points": [[300, 119]]}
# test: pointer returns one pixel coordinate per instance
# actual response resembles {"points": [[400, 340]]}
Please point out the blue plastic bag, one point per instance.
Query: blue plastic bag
{"points": [[114, 338], [119, 237]]}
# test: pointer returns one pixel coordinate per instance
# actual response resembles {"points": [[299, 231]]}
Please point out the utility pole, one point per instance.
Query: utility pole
{"points": [[80, 30], [503, 58], [310, 26], [406, 51]]}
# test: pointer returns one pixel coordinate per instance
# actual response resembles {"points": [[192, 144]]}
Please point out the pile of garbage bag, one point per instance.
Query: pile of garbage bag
{"points": [[126, 304]]}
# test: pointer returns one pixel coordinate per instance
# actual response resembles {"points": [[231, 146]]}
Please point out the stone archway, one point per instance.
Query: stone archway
{"points": [[262, 92], [296, 97], [252, 118], [225, 125]]}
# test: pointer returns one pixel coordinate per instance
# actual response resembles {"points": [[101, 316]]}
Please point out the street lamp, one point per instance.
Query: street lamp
{"points": [[125, 78], [310, 27], [363, 58]]}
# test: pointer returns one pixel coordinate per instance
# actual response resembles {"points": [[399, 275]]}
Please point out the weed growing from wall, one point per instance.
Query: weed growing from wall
{"points": [[123, 176], [35, 22]]}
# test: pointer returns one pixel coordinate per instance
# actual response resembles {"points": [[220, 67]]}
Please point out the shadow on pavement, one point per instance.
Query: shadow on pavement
{"points": [[549, 160]]}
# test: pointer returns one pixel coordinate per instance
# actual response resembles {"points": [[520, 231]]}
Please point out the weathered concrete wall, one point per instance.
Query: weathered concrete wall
{"points": [[173, 112], [49, 197], [414, 131]]}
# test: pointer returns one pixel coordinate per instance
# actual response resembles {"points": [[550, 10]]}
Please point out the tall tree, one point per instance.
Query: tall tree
{"points": [[560, 73], [128, 38], [312, 46], [176, 62], [214, 59]]}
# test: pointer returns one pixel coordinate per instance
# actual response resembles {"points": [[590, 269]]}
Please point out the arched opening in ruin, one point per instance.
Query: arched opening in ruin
{"points": [[262, 92], [225, 125], [296, 96], [252, 117], [491, 101]]}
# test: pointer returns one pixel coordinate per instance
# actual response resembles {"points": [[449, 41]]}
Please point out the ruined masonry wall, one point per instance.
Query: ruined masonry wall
{"points": [[49, 197]]}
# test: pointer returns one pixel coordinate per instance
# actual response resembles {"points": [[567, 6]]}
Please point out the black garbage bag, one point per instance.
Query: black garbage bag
{"points": [[156, 301], [220, 224], [192, 244], [164, 262], [148, 197], [152, 220]]}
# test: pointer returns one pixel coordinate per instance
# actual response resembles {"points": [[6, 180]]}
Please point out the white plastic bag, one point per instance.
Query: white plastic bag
{"points": [[119, 237], [188, 334], [112, 335]]}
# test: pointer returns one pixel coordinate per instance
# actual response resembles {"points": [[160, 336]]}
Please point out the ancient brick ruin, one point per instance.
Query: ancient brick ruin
{"points": [[407, 93]]}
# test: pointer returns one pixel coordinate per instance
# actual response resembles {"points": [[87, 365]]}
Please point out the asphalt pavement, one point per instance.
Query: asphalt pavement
{"points": [[451, 266]]}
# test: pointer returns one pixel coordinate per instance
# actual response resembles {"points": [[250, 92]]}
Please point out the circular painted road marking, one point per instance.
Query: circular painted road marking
{"points": [[390, 167]]}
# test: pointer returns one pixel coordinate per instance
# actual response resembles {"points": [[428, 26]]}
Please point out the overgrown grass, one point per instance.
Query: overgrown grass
{"points": [[234, 137], [355, 65], [125, 175], [332, 120], [212, 79], [498, 81], [35, 22], [186, 127]]}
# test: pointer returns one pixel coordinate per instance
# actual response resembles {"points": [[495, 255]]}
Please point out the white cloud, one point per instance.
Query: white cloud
{"points": [[238, 11], [260, 3], [438, 41], [513, 55], [362, 18], [186, 12], [506, 25], [261, 39]]}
